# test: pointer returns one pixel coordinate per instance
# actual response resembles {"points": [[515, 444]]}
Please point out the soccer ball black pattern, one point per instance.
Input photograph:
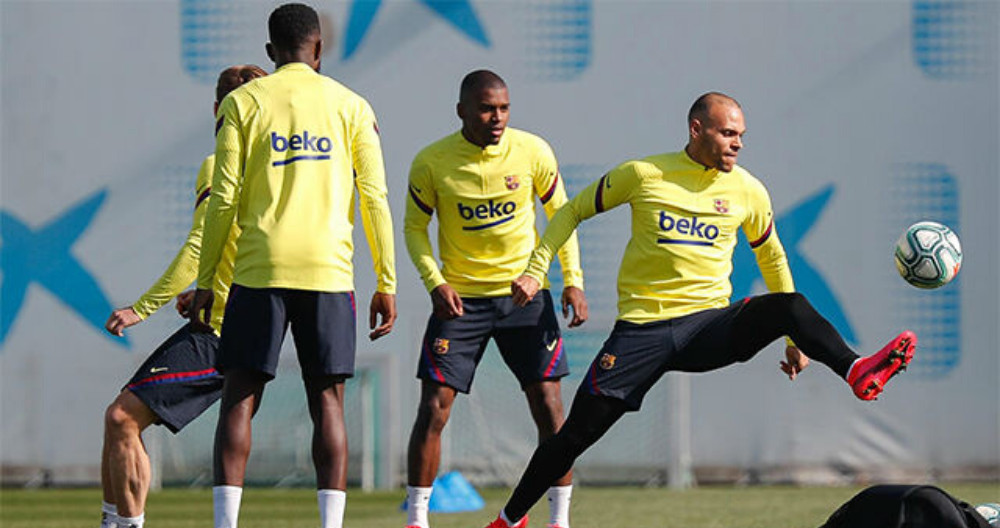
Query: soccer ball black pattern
{"points": [[928, 255]]}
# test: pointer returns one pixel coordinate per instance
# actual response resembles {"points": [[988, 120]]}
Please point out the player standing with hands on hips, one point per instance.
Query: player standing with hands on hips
{"points": [[673, 290], [290, 153], [482, 181]]}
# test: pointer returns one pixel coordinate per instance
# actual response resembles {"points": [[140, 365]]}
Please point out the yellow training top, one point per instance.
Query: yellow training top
{"points": [[184, 268], [290, 150], [684, 224], [485, 202]]}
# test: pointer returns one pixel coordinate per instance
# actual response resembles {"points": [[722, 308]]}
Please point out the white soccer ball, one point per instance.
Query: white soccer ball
{"points": [[991, 512], [928, 255]]}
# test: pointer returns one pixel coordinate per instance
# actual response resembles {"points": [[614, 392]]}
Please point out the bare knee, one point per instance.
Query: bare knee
{"points": [[435, 408]]}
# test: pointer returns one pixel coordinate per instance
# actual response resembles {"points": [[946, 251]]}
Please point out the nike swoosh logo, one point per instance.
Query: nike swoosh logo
{"points": [[552, 346], [607, 181], [154, 370]]}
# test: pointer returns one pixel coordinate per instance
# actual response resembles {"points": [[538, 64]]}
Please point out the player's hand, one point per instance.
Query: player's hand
{"points": [[383, 304], [200, 310], [795, 362], [121, 319], [573, 297], [447, 304], [524, 289], [184, 302]]}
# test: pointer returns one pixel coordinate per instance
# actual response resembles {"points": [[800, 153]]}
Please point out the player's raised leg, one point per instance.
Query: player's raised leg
{"points": [[869, 375]]}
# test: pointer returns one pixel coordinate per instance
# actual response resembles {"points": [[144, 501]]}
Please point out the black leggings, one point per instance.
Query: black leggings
{"points": [[759, 322]]}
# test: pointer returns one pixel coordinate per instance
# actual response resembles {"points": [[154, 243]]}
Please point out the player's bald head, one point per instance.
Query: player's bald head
{"points": [[235, 76], [702, 107], [474, 83]]}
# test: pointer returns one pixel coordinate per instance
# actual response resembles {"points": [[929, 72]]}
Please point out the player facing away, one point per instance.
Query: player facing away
{"points": [[291, 155], [179, 380], [673, 290], [482, 181]]}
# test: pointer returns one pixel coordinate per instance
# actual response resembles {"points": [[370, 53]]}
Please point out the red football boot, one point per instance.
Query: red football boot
{"points": [[500, 523], [869, 375]]}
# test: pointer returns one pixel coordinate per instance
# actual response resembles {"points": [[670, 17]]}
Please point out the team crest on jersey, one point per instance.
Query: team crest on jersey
{"points": [[722, 206], [440, 346], [511, 182], [608, 361]]}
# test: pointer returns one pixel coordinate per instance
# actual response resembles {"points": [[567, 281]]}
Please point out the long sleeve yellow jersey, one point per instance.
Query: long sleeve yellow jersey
{"points": [[291, 148], [182, 270], [484, 199], [684, 229]]}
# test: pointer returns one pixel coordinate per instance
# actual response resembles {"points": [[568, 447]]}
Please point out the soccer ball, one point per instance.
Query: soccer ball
{"points": [[928, 255], [991, 512]]}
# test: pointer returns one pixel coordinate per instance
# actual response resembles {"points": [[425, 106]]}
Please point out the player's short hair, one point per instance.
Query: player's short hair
{"points": [[291, 25], [699, 110], [233, 77], [478, 80]]}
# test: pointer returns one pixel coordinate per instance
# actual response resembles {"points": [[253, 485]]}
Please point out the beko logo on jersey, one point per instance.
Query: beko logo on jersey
{"points": [[501, 211], [304, 142], [702, 234]]}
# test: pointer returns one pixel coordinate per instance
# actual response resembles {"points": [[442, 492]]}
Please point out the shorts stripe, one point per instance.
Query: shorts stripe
{"points": [[176, 377], [556, 358], [354, 307], [434, 370], [590, 380]]}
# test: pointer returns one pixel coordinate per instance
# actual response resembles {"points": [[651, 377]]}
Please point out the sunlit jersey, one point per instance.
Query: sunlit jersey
{"points": [[684, 228], [290, 150], [184, 268], [484, 199]]}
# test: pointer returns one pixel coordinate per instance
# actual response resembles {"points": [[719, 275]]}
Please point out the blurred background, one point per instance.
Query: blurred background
{"points": [[863, 117]]}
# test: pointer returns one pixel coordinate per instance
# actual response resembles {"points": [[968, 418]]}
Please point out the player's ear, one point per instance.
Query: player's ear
{"points": [[318, 49], [215, 109], [458, 110], [694, 128], [269, 48]]}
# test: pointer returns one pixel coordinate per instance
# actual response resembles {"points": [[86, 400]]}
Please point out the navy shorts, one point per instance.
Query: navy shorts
{"points": [[179, 380], [635, 356], [528, 339], [256, 320]]}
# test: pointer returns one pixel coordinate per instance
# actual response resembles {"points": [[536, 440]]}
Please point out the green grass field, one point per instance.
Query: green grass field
{"points": [[593, 507]]}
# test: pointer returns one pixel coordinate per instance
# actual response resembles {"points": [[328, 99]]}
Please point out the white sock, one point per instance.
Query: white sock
{"points": [[850, 370], [503, 516], [559, 505], [331, 507], [226, 505], [417, 500], [109, 515], [131, 522]]}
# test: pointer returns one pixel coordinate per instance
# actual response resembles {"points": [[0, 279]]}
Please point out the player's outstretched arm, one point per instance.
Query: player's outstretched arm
{"points": [[121, 319], [383, 306], [446, 302], [574, 298]]}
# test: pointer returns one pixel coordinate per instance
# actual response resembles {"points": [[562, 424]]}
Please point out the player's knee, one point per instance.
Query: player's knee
{"points": [[117, 419]]}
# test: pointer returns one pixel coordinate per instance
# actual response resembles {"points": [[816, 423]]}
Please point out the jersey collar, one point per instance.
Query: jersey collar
{"points": [[295, 66], [489, 151]]}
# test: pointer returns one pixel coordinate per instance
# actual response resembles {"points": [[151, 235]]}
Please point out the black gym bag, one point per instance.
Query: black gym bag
{"points": [[905, 506]]}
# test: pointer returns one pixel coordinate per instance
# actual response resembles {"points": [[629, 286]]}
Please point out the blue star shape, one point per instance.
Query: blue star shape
{"points": [[43, 256], [458, 13], [794, 225]]}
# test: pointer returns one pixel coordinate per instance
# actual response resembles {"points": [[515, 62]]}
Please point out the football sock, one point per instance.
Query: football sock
{"points": [[226, 504], [331, 507], [418, 500], [131, 522], [559, 497], [506, 520], [109, 515]]}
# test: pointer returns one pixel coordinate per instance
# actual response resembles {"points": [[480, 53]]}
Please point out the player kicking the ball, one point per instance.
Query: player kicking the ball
{"points": [[673, 284], [178, 381]]}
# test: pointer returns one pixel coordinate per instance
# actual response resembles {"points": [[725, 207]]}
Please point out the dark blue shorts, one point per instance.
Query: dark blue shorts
{"points": [[635, 356], [322, 324], [528, 339], [179, 380]]}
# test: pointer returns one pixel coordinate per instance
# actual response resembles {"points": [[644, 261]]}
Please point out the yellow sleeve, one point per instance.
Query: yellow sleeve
{"points": [[420, 206], [552, 193], [373, 198], [613, 189], [223, 200], [763, 237], [182, 270]]}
